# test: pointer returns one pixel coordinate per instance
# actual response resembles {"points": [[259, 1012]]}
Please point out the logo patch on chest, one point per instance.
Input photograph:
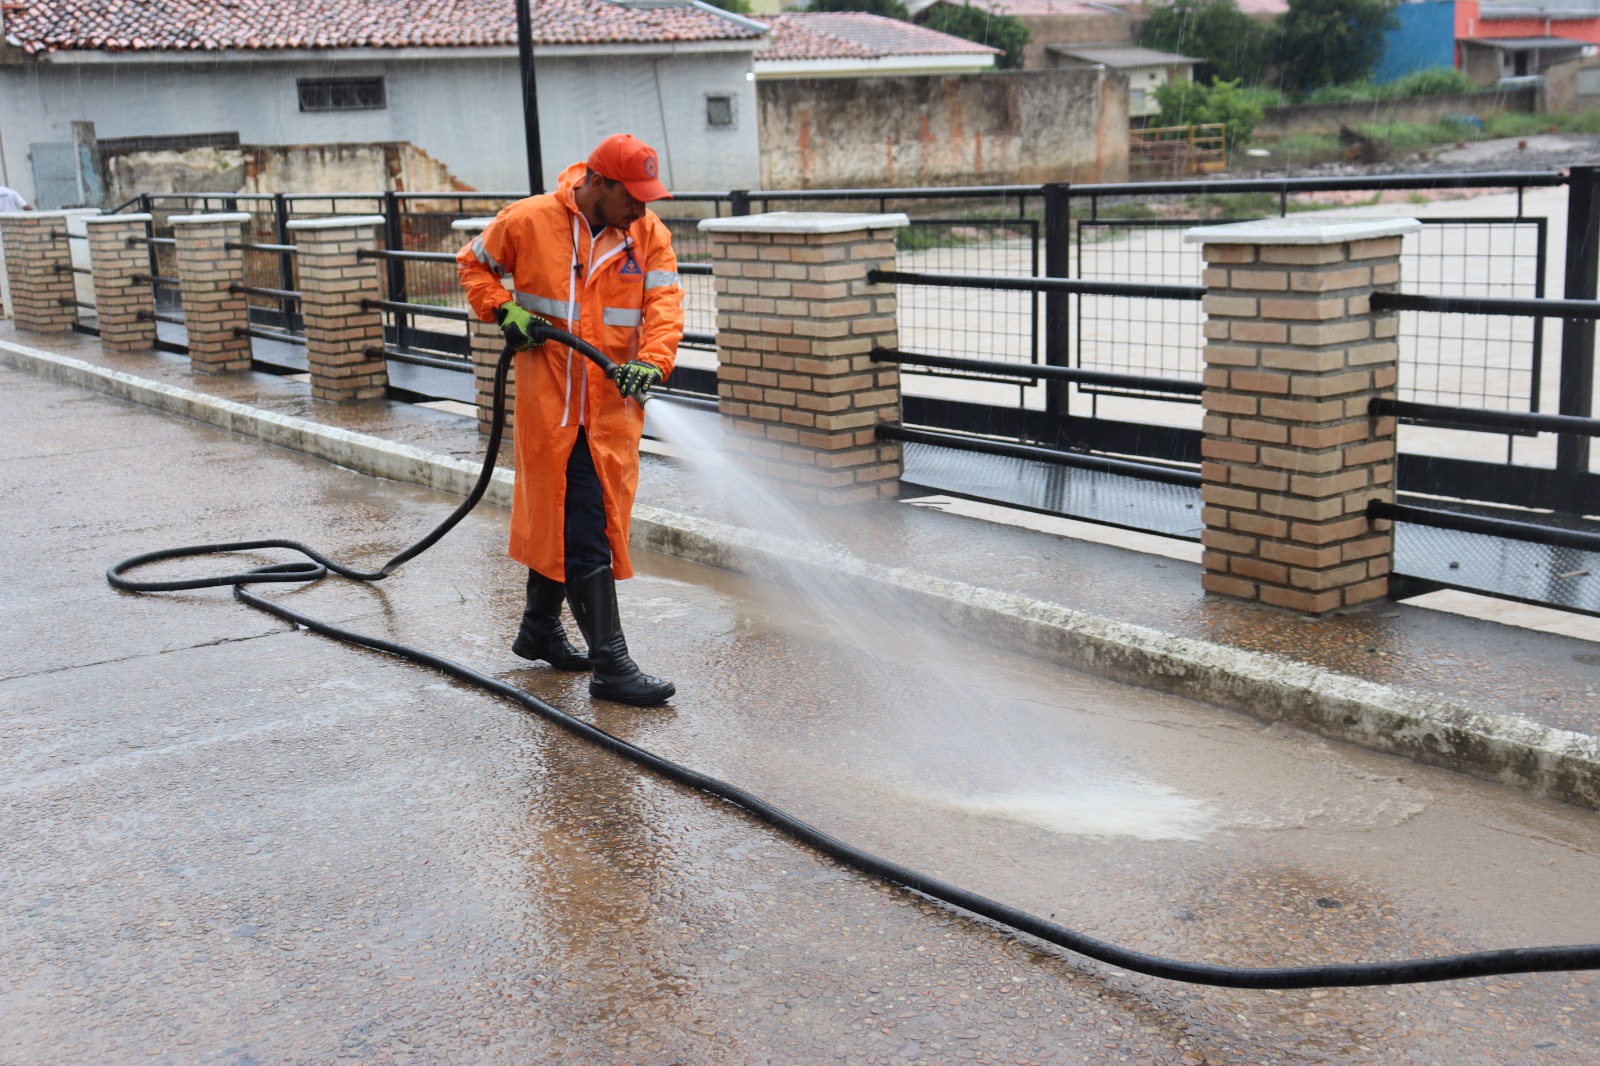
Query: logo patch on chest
{"points": [[631, 266]]}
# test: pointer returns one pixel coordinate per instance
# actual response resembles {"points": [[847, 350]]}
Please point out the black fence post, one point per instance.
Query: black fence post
{"points": [[1058, 305], [147, 205], [286, 279], [394, 238], [1577, 337], [739, 202]]}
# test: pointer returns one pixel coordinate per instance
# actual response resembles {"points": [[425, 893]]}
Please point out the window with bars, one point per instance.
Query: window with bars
{"points": [[342, 94], [719, 111]]}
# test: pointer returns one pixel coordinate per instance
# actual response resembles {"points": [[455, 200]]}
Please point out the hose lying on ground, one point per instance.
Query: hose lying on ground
{"points": [[1411, 971]]}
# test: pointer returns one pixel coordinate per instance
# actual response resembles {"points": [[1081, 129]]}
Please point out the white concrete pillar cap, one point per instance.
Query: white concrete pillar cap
{"points": [[337, 222], [220, 216], [801, 222], [1318, 228]]}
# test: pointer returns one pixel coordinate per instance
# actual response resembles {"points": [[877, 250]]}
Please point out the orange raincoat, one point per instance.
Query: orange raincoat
{"points": [[617, 291]]}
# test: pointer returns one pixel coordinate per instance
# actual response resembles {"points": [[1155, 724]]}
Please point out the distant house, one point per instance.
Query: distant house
{"points": [[1057, 22], [1501, 39], [439, 75], [1146, 70], [847, 44]]}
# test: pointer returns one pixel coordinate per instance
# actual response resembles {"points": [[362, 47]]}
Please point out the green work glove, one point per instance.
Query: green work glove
{"points": [[523, 329], [636, 378]]}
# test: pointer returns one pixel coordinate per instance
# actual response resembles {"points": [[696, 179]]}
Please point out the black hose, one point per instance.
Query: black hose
{"points": [[1413, 971]]}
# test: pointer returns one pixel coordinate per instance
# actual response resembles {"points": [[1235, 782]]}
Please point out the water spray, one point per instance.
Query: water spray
{"points": [[317, 566]]}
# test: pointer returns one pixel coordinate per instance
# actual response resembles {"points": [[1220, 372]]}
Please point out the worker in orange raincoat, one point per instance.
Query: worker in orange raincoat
{"points": [[592, 260]]}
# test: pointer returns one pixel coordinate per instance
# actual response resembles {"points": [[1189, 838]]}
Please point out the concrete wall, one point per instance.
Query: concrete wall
{"points": [[1425, 38], [1017, 127], [1480, 63], [330, 168], [1573, 85], [464, 112], [1327, 118], [663, 102], [1142, 81]]}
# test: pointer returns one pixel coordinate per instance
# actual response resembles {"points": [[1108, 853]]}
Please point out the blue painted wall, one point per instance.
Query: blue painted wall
{"points": [[1426, 38]]}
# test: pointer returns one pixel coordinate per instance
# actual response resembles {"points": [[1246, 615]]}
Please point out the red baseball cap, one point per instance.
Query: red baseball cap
{"points": [[625, 158]]}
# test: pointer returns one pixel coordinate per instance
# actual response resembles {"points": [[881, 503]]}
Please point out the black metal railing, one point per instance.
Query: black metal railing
{"points": [[1487, 525], [1485, 305], [1033, 372], [985, 232]]}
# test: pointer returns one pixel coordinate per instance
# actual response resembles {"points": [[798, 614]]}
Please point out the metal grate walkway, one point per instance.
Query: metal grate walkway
{"points": [[1049, 488], [1430, 557]]}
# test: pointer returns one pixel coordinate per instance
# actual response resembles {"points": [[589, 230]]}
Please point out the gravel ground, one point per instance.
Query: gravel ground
{"points": [[1547, 151]]}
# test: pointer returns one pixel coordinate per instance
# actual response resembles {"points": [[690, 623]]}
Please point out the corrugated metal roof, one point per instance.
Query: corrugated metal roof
{"points": [[39, 26], [856, 35], [1121, 57], [1518, 44], [1562, 9]]}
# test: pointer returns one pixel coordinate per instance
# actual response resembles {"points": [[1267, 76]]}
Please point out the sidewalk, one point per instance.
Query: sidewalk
{"points": [[1502, 702]]}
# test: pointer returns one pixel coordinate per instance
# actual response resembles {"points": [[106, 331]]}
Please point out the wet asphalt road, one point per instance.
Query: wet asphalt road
{"points": [[226, 841]]}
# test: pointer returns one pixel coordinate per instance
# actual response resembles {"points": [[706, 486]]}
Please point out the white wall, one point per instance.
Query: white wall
{"points": [[465, 112], [660, 100]]}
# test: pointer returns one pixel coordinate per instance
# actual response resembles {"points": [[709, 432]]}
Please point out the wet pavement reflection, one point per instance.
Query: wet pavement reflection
{"points": [[228, 841]]}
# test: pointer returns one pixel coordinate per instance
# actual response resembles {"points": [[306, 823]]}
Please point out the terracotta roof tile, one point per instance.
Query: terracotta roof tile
{"points": [[856, 35], [211, 25]]}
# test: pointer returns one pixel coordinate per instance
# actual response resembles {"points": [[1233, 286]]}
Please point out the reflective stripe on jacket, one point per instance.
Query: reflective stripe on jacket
{"points": [[617, 291]]}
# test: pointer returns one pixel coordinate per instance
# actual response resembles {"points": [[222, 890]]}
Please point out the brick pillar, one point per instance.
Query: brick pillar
{"points": [[1294, 352], [39, 270], [117, 252], [486, 342], [796, 323], [339, 332], [208, 273]]}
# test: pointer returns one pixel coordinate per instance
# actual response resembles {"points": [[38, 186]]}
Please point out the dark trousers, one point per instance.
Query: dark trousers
{"points": [[587, 549]]}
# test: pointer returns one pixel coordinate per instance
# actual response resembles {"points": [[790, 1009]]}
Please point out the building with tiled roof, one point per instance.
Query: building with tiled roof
{"points": [[441, 75], [121, 26], [821, 44]]}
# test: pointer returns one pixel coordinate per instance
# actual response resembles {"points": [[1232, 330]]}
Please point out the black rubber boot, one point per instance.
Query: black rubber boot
{"points": [[541, 637], [616, 675]]}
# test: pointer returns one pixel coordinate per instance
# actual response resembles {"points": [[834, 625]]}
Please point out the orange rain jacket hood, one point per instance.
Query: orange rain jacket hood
{"points": [[618, 291]]}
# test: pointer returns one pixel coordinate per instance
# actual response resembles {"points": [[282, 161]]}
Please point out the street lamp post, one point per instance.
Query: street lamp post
{"points": [[530, 97]]}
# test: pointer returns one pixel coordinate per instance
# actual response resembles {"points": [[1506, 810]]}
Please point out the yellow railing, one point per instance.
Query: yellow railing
{"points": [[1174, 150]]}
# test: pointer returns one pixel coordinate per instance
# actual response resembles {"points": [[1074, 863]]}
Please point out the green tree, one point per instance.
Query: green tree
{"points": [[1332, 42], [1004, 32], [738, 7], [1233, 45], [1189, 103], [895, 9]]}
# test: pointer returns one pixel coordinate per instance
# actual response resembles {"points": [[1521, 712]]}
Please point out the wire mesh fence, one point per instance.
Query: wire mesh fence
{"points": [[1112, 234], [1474, 360]]}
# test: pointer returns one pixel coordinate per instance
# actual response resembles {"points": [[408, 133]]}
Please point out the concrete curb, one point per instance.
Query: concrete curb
{"points": [[1433, 731]]}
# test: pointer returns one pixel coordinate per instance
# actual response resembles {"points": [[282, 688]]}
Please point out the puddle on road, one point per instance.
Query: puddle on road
{"points": [[1132, 809]]}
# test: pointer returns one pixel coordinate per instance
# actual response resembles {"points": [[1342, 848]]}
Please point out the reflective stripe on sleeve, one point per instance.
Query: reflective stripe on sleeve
{"points": [[543, 305], [621, 316], [483, 256], [656, 279]]}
